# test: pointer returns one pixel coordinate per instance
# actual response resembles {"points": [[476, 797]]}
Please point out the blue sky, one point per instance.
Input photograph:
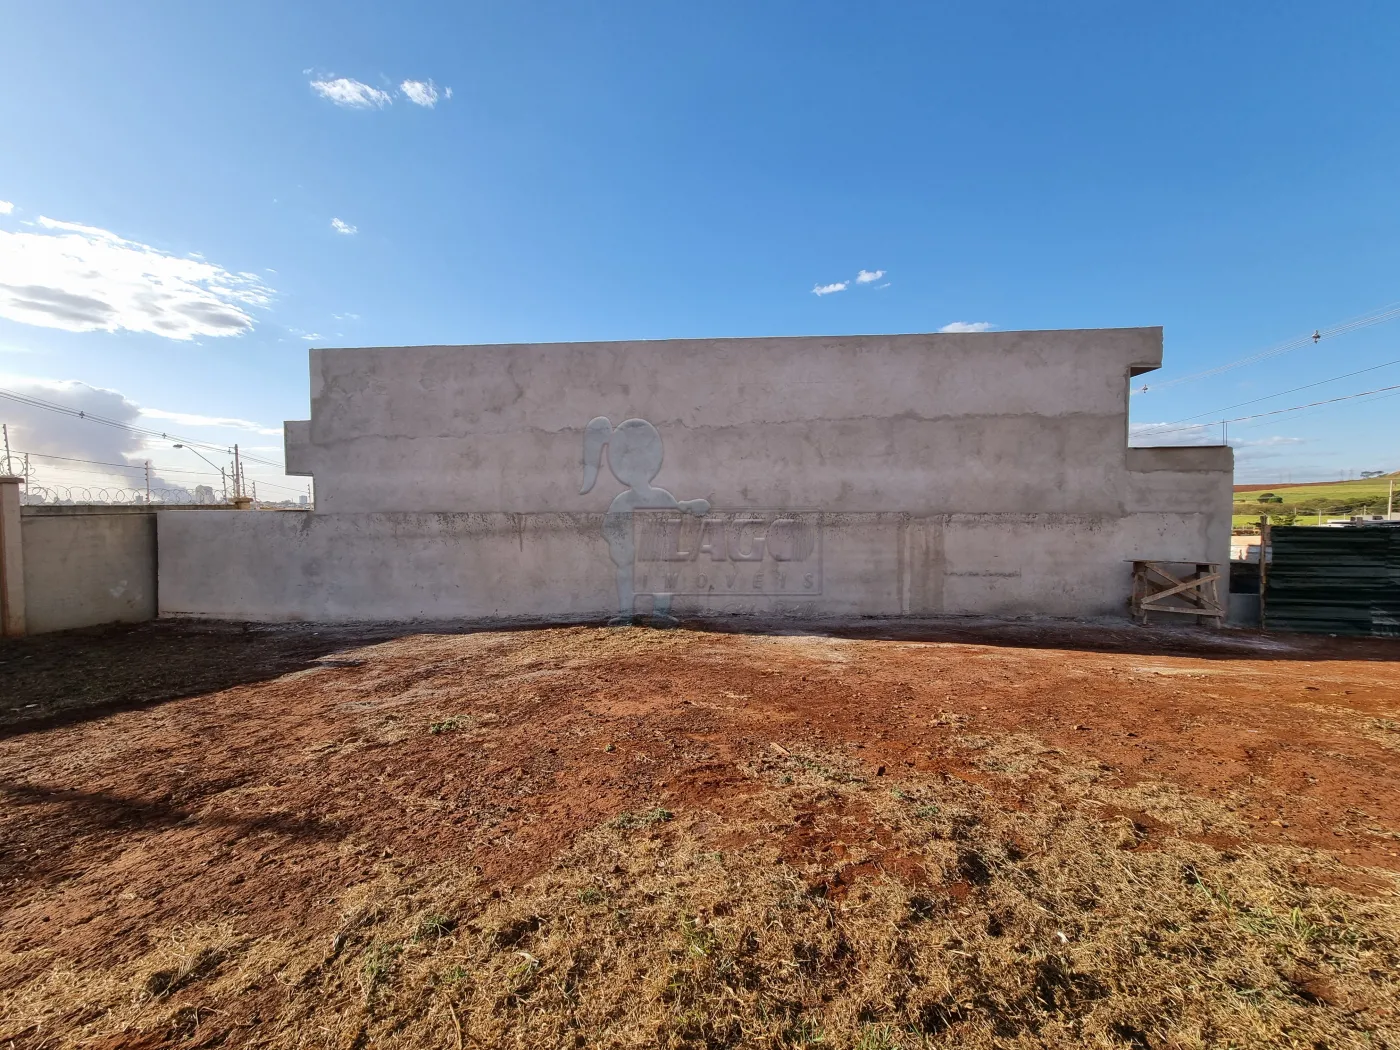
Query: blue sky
{"points": [[652, 170]]}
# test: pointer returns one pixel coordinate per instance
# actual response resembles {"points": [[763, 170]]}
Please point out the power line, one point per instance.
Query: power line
{"points": [[102, 463], [1385, 313], [137, 467], [1381, 398], [1267, 397], [1280, 411], [37, 402]]}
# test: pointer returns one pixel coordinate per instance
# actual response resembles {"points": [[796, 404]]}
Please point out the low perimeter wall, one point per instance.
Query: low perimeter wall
{"points": [[326, 567], [87, 565]]}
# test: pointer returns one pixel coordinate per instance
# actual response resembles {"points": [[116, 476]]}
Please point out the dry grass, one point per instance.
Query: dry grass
{"points": [[1043, 925]]}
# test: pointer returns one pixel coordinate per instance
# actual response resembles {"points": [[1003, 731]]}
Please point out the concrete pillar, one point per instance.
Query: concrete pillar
{"points": [[11, 560]]}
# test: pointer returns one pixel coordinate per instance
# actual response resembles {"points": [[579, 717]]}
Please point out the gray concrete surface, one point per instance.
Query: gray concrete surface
{"points": [[555, 566], [977, 422], [980, 473], [12, 623], [88, 565]]}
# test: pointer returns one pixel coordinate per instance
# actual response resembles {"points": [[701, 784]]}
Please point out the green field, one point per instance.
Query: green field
{"points": [[1303, 503]]}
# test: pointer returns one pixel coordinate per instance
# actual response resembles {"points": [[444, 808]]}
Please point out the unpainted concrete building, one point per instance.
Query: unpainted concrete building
{"points": [[811, 477]]}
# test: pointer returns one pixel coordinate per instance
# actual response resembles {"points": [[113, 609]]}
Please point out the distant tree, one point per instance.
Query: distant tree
{"points": [[1373, 473]]}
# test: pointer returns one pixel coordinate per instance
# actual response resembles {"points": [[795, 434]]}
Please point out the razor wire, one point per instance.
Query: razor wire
{"points": [[34, 495]]}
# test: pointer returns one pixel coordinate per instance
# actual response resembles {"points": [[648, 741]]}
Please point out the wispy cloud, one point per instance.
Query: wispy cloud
{"points": [[422, 92], [968, 326], [353, 94], [341, 226], [311, 337], [6, 207], [862, 277], [1157, 435], [193, 419], [85, 279]]}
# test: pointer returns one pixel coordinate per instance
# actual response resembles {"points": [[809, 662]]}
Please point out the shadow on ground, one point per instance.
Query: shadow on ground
{"points": [[70, 677]]}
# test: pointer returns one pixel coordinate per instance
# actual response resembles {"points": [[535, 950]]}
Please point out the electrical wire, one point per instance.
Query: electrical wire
{"points": [[1383, 397], [1267, 397], [103, 463], [1385, 313], [1279, 411], [134, 467], [38, 402]]}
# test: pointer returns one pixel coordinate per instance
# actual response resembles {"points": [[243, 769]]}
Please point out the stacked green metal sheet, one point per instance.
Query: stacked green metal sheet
{"points": [[1334, 580], [1385, 618]]}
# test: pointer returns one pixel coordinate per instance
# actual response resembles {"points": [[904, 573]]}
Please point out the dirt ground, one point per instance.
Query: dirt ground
{"points": [[952, 833]]}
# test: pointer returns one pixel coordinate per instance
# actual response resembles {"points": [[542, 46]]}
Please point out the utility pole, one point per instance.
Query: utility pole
{"points": [[237, 474], [5, 427], [148, 481], [1390, 503]]}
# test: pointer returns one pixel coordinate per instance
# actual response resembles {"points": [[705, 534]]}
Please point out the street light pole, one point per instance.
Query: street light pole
{"points": [[222, 481]]}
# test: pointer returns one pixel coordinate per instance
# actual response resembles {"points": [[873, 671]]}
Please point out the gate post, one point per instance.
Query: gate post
{"points": [[11, 560]]}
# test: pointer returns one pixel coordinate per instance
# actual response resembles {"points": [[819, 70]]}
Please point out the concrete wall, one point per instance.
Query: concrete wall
{"points": [[11, 559], [87, 565], [979, 422], [556, 567], [983, 473]]}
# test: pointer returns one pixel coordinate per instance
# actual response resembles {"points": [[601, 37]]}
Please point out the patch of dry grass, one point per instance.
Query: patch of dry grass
{"points": [[1036, 926]]}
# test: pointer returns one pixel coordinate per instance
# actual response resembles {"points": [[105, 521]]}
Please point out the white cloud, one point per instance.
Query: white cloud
{"points": [[447, 93], [1157, 435], [340, 226], [422, 93], [46, 435], [6, 207], [85, 279], [827, 289], [192, 419], [867, 276], [968, 326], [1154, 435], [311, 337], [354, 94]]}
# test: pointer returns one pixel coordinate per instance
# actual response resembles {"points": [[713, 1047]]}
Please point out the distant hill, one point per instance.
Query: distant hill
{"points": [[1312, 491]]}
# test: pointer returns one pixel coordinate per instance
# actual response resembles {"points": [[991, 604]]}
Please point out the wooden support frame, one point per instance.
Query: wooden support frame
{"points": [[1154, 584]]}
